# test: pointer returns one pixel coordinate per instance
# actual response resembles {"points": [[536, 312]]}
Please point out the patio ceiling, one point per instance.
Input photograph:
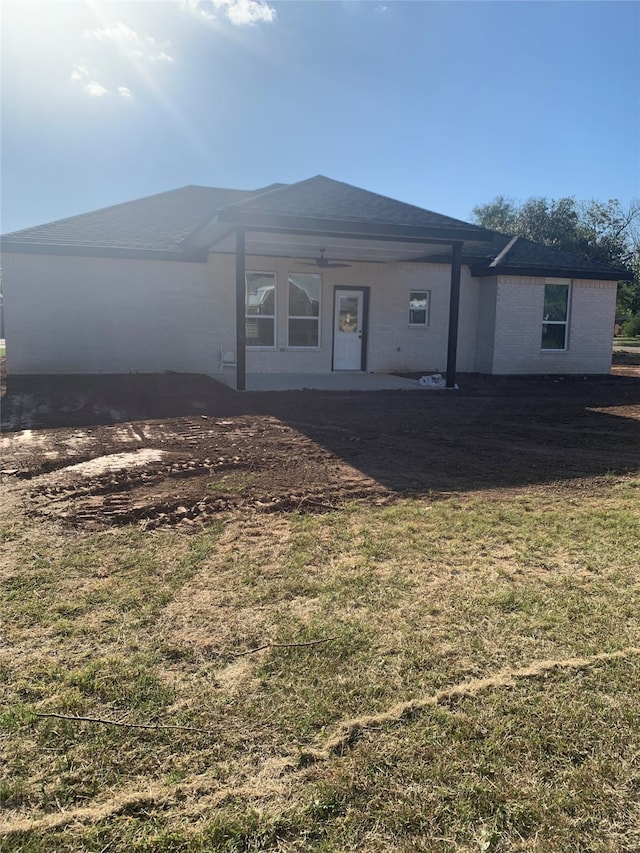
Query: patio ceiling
{"points": [[278, 244]]}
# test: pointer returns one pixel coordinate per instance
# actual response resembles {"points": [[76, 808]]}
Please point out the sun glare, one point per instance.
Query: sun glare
{"points": [[84, 46]]}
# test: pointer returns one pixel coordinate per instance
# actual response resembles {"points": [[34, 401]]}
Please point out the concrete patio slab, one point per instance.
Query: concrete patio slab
{"points": [[324, 382]]}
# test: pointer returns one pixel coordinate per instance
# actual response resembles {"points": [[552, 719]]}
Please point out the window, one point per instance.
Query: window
{"points": [[260, 309], [555, 316], [419, 308], [304, 310]]}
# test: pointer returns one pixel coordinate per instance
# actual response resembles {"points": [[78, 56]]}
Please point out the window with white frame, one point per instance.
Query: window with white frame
{"points": [[260, 309], [419, 308], [555, 317], [304, 309]]}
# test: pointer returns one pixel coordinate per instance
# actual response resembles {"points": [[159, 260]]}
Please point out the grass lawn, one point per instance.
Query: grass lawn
{"points": [[622, 341], [447, 673]]}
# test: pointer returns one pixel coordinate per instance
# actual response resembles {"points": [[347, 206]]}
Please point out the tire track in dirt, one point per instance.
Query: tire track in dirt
{"points": [[207, 469], [313, 451]]}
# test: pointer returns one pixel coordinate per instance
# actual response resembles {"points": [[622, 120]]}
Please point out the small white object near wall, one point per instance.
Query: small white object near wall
{"points": [[434, 382]]}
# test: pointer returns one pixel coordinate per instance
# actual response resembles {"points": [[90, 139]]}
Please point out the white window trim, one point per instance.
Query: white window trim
{"points": [[298, 317], [273, 316], [427, 322], [569, 283]]}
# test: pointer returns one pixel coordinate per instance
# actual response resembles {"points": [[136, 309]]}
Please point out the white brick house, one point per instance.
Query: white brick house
{"points": [[314, 277]]}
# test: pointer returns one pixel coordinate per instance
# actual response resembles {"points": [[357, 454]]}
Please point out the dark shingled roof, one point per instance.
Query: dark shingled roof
{"points": [[525, 254], [503, 254], [324, 198], [165, 225], [529, 258], [157, 222]]}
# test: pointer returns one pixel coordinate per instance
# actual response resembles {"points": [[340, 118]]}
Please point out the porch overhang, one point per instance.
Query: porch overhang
{"points": [[267, 235], [373, 230]]}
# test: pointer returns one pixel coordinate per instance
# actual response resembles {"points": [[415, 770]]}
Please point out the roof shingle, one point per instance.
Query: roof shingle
{"points": [[161, 225], [325, 198], [157, 222]]}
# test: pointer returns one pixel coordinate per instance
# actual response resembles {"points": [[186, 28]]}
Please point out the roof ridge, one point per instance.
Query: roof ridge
{"points": [[253, 194], [504, 252], [405, 203], [278, 189]]}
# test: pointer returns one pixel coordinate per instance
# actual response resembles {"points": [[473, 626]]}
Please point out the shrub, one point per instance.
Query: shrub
{"points": [[632, 327]]}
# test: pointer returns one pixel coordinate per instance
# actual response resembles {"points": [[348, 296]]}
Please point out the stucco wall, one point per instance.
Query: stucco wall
{"points": [[103, 315], [518, 327]]}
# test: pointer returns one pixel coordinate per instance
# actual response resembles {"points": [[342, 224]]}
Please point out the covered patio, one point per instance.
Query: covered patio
{"points": [[318, 220]]}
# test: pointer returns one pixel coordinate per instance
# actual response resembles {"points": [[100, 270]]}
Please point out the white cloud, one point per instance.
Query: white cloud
{"points": [[247, 11], [239, 12], [79, 74], [83, 78], [199, 7], [95, 89], [143, 46], [122, 39], [119, 33]]}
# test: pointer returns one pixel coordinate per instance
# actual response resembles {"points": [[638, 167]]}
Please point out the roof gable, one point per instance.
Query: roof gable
{"points": [[323, 199]]}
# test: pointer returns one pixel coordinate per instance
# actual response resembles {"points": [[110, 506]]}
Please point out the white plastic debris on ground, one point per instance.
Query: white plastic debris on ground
{"points": [[435, 382]]}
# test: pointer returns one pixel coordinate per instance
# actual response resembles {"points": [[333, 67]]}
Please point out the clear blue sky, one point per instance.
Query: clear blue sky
{"points": [[441, 104]]}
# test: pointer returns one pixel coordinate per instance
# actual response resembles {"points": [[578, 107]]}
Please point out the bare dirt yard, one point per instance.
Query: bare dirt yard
{"points": [[167, 450], [383, 622]]}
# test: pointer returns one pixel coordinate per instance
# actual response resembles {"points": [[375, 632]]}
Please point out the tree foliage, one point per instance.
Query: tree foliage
{"points": [[599, 230]]}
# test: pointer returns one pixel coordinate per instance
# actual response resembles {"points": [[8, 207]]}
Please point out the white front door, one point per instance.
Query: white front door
{"points": [[348, 329]]}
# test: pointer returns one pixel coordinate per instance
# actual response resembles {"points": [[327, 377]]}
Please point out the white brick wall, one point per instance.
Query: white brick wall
{"points": [[393, 345], [518, 328], [102, 315]]}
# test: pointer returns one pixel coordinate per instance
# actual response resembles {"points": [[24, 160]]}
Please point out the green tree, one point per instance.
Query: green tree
{"points": [[602, 231], [498, 215], [629, 291]]}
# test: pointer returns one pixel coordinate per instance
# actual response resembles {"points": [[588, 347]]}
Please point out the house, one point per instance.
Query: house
{"points": [[312, 277]]}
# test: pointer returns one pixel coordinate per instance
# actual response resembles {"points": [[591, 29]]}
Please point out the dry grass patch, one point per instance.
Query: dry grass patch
{"points": [[409, 601]]}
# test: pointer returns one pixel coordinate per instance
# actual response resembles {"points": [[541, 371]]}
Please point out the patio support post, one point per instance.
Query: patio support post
{"points": [[241, 361], [454, 307]]}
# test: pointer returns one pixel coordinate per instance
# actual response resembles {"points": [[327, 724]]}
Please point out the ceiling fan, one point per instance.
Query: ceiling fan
{"points": [[323, 263]]}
